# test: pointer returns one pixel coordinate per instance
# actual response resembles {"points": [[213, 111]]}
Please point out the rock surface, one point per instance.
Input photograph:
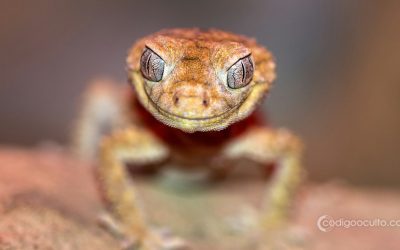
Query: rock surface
{"points": [[48, 200]]}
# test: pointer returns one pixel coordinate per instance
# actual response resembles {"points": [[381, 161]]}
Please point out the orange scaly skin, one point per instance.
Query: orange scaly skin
{"points": [[188, 114], [196, 71]]}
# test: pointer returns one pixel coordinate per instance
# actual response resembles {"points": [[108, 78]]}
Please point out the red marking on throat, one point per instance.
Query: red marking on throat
{"points": [[180, 139]]}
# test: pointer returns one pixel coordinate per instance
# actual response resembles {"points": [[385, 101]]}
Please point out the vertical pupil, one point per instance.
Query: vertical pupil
{"points": [[148, 63], [243, 71]]}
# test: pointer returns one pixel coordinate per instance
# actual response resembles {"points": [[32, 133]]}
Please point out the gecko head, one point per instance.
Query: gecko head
{"points": [[197, 80]]}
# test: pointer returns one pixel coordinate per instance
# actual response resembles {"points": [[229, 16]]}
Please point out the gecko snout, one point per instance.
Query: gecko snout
{"points": [[180, 100], [191, 100]]}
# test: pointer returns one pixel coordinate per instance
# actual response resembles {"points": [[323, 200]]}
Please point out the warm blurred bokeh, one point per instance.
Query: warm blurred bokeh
{"points": [[338, 69]]}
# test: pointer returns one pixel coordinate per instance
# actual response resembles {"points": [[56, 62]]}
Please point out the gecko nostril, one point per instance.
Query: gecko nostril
{"points": [[176, 100], [205, 102]]}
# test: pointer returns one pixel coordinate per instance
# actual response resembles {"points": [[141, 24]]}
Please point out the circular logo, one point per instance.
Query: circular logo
{"points": [[324, 223]]}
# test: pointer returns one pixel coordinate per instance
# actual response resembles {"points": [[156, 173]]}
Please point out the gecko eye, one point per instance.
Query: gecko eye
{"points": [[151, 65], [240, 73]]}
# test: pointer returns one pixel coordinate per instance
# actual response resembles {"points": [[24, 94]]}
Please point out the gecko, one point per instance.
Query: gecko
{"points": [[193, 101]]}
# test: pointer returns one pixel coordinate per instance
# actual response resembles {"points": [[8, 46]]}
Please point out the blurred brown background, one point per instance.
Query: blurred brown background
{"points": [[338, 69]]}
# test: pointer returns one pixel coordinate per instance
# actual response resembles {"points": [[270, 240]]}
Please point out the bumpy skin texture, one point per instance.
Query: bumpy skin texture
{"points": [[196, 70], [191, 117]]}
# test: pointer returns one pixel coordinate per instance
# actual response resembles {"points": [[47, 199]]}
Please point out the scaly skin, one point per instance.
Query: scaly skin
{"points": [[197, 63], [190, 116]]}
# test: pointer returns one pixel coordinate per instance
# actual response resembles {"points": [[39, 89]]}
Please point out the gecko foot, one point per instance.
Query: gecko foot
{"points": [[160, 239], [156, 240]]}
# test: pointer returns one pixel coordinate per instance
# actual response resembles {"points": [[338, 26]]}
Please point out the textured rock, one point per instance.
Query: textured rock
{"points": [[48, 200]]}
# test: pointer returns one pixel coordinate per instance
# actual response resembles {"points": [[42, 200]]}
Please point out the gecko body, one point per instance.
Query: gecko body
{"points": [[193, 102]]}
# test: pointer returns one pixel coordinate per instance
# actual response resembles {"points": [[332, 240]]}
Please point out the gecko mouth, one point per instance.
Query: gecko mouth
{"points": [[175, 117], [192, 124]]}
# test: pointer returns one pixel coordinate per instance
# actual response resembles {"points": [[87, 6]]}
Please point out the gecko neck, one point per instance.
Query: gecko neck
{"points": [[180, 139]]}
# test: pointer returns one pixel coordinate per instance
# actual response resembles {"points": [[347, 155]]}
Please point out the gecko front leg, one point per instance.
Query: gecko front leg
{"points": [[135, 145], [102, 111], [265, 146]]}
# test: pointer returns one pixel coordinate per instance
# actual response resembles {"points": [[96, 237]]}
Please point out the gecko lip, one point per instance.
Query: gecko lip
{"points": [[171, 115]]}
